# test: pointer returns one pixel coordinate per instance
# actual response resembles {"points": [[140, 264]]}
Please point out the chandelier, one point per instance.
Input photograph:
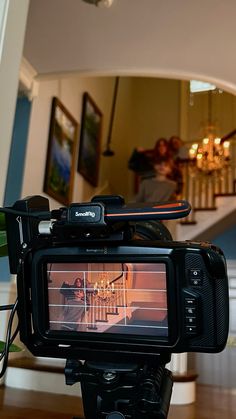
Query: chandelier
{"points": [[211, 155]]}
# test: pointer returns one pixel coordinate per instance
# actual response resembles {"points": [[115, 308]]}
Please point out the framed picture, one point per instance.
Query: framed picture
{"points": [[61, 154], [90, 140]]}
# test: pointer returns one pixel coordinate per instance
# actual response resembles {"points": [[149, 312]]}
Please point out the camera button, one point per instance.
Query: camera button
{"points": [[191, 330], [190, 320], [191, 302], [195, 276], [195, 281], [190, 311]]}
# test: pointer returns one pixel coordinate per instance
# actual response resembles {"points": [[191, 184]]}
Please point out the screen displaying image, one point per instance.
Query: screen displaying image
{"points": [[128, 298]]}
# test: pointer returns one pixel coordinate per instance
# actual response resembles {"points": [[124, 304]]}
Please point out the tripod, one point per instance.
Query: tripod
{"points": [[122, 391]]}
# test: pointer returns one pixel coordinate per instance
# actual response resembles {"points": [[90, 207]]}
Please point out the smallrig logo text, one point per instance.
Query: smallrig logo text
{"points": [[85, 214]]}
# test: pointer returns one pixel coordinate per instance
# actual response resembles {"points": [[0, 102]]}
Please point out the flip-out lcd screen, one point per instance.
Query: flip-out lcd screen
{"points": [[120, 298]]}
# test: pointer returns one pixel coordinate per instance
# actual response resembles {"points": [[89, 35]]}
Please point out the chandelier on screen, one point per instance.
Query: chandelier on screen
{"points": [[103, 288]]}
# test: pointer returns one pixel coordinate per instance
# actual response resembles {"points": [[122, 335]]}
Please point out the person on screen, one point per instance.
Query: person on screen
{"points": [[74, 306]]}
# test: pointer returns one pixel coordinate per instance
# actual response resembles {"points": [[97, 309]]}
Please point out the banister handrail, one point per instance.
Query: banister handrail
{"points": [[225, 137], [228, 136]]}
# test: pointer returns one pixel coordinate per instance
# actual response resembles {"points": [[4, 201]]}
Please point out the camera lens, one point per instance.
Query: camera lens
{"points": [[115, 415], [152, 230]]}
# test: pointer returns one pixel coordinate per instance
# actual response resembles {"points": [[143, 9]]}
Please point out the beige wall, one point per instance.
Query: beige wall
{"points": [[222, 113], [69, 91], [156, 110], [119, 177], [145, 110]]}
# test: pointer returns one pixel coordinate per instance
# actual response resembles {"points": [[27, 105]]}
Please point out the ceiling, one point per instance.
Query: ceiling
{"points": [[178, 39]]}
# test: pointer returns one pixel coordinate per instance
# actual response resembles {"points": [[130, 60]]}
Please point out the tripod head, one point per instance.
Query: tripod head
{"points": [[124, 390]]}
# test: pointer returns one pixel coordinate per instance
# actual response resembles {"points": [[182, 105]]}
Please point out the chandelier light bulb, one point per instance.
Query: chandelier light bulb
{"points": [[102, 3], [192, 153], [105, 3], [226, 146]]}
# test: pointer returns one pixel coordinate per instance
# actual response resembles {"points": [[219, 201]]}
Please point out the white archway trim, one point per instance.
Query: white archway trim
{"points": [[13, 21], [165, 73], [28, 84], [4, 6]]}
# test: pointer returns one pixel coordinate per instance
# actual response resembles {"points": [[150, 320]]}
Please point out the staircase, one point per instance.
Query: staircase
{"points": [[209, 222], [104, 304], [213, 201]]}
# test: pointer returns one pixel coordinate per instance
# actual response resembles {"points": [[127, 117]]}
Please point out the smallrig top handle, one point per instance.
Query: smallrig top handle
{"points": [[117, 210]]}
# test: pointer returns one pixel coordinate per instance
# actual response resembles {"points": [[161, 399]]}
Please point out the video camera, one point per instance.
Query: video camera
{"points": [[104, 282]]}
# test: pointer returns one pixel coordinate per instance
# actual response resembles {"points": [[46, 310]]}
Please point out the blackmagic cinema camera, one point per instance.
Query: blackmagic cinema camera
{"points": [[103, 282]]}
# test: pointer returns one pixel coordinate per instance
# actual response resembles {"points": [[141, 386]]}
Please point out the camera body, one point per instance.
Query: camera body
{"points": [[91, 288]]}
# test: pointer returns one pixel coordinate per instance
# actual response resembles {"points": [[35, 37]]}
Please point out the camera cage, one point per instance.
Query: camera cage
{"points": [[105, 219], [33, 228], [29, 221]]}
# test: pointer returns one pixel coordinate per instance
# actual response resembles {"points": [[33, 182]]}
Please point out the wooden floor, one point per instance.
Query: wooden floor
{"points": [[212, 403]]}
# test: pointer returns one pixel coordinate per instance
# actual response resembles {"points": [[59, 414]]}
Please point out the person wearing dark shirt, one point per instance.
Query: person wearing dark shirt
{"points": [[74, 305]]}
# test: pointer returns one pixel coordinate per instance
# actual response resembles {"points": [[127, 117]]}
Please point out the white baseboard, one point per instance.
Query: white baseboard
{"points": [[7, 296], [48, 382], [184, 393]]}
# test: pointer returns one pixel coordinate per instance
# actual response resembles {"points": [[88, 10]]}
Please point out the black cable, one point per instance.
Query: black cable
{"points": [[7, 307], [8, 334], [3, 353], [9, 339], [25, 214]]}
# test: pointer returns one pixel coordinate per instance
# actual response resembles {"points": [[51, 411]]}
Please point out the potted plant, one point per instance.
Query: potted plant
{"points": [[3, 252]]}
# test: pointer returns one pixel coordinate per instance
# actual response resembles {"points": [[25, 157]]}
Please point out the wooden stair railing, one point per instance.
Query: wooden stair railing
{"points": [[201, 190], [102, 307]]}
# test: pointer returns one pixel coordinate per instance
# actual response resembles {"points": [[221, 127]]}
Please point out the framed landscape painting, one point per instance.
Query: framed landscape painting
{"points": [[61, 154], [90, 140]]}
